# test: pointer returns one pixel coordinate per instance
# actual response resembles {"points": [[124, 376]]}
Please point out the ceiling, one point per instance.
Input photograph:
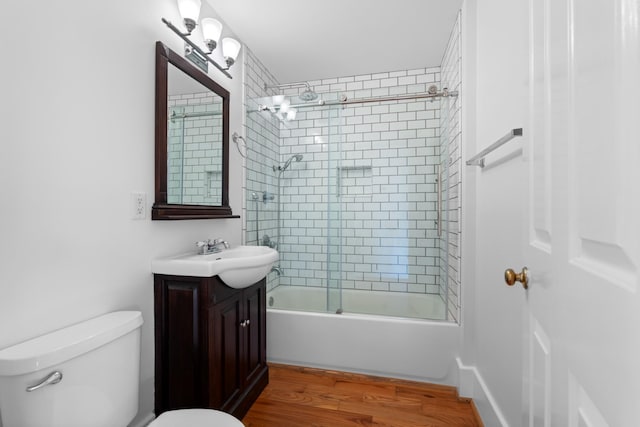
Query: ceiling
{"points": [[301, 40]]}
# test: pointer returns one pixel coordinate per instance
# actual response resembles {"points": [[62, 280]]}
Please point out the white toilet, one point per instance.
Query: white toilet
{"points": [[85, 375], [195, 418]]}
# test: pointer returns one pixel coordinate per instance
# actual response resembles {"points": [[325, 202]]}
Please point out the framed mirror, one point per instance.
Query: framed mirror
{"points": [[192, 142]]}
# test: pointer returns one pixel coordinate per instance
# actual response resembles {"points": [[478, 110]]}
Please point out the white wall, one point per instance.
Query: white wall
{"points": [[495, 78], [77, 124]]}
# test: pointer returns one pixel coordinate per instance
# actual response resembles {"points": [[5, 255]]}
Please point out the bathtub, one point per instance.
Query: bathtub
{"points": [[414, 349], [396, 304]]}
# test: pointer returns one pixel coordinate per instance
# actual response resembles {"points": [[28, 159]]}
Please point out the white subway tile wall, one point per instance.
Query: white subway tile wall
{"points": [[451, 69]]}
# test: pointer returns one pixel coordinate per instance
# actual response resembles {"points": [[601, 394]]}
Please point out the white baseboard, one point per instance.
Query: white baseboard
{"points": [[472, 385]]}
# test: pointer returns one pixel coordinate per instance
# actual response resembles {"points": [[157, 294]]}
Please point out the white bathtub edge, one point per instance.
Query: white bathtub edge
{"points": [[407, 349]]}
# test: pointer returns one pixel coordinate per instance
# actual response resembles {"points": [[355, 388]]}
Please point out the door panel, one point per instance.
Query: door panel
{"points": [[582, 411], [180, 320], [540, 379], [603, 233], [225, 318], [540, 181], [583, 252], [604, 238], [255, 347]]}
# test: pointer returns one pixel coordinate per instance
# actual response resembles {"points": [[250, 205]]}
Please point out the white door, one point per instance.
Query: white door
{"points": [[582, 321]]}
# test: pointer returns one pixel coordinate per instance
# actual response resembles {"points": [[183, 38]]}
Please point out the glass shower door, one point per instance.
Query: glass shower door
{"points": [[443, 203], [334, 211]]}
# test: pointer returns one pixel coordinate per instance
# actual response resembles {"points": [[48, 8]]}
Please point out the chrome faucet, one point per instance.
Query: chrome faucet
{"points": [[211, 246], [277, 270]]}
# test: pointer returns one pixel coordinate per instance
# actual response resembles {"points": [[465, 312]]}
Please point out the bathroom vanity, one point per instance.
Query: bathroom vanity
{"points": [[210, 342]]}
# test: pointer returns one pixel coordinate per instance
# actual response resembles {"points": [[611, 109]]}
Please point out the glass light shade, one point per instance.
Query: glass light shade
{"points": [[189, 9], [278, 99], [211, 29], [291, 114], [230, 48], [284, 106]]}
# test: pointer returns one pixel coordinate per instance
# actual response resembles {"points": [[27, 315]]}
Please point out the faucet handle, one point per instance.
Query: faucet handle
{"points": [[214, 241], [223, 242], [202, 247]]}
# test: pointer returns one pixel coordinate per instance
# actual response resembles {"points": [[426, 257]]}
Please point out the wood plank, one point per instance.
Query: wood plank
{"points": [[301, 396], [278, 414]]}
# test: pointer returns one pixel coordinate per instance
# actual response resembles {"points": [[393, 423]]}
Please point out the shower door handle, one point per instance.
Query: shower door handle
{"points": [[439, 199]]}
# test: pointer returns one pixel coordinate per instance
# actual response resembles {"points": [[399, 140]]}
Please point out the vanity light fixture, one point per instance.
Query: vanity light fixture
{"points": [[211, 32], [189, 10], [230, 49]]}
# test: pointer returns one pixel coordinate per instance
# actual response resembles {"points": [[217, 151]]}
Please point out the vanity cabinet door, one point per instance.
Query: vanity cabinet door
{"points": [[179, 365], [254, 340], [225, 352]]}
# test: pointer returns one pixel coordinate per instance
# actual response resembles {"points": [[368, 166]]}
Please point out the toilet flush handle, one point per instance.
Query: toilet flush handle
{"points": [[54, 378]]}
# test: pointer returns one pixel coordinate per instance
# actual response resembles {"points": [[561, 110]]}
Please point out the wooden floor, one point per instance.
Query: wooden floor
{"points": [[299, 396]]}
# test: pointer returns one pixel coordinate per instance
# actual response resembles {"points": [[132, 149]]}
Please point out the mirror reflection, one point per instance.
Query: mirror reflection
{"points": [[194, 142]]}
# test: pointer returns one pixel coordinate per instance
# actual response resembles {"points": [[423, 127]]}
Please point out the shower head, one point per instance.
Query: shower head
{"points": [[296, 157], [308, 95]]}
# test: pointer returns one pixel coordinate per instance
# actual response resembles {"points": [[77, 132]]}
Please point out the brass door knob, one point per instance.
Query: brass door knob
{"points": [[511, 277]]}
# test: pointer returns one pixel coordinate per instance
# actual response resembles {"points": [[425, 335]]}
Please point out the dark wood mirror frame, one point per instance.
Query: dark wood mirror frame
{"points": [[161, 209]]}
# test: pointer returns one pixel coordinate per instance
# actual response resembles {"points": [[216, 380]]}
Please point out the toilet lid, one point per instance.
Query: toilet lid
{"points": [[195, 418]]}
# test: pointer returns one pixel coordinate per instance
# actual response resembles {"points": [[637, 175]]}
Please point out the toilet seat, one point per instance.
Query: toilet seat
{"points": [[195, 418]]}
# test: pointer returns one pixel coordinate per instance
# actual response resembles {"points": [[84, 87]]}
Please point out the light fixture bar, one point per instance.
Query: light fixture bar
{"points": [[196, 48]]}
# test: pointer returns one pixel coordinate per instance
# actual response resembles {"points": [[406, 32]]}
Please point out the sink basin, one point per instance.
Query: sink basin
{"points": [[238, 267]]}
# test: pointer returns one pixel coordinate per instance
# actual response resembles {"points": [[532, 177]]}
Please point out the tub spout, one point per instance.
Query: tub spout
{"points": [[278, 270]]}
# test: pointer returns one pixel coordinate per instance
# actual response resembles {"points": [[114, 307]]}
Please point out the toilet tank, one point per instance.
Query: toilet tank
{"points": [[99, 360]]}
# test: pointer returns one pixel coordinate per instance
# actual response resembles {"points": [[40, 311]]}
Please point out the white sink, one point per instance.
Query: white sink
{"points": [[238, 267]]}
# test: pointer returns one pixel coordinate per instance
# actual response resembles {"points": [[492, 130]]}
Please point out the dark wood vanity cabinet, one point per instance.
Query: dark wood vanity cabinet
{"points": [[210, 343]]}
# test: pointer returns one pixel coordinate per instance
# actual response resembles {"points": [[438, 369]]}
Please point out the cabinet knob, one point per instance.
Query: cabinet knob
{"points": [[245, 323]]}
